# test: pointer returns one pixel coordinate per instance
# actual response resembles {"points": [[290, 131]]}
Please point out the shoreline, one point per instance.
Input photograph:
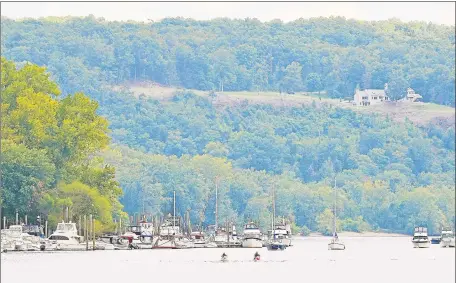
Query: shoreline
{"points": [[358, 234]]}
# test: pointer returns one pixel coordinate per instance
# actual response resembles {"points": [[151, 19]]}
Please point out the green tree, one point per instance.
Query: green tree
{"points": [[313, 82], [26, 175], [397, 85], [292, 80], [325, 222]]}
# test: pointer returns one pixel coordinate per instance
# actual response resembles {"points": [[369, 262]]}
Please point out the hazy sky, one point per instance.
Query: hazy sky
{"points": [[441, 13]]}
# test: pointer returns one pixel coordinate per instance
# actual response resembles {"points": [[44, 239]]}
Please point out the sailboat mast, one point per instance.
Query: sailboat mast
{"points": [[273, 210], [335, 207], [174, 208], [216, 204]]}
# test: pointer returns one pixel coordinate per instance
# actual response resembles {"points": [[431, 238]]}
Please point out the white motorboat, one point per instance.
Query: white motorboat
{"points": [[65, 237], [15, 238], [420, 238], [7, 241], [200, 241], [335, 244], [282, 232], [28, 243], [447, 239], [252, 236], [223, 238], [140, 235]]}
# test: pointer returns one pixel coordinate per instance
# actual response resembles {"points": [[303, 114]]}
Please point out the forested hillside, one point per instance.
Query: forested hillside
{"points": [[325, 54], [389, 175]]}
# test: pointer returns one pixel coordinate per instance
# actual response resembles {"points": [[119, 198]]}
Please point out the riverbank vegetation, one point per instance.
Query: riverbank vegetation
{"points": [[47, 151]]}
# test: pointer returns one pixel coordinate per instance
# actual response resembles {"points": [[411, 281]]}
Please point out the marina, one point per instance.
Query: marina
{"points": [[171, 233]]}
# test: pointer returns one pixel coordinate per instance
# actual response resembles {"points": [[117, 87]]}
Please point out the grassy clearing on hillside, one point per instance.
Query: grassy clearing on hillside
{"points": [[419, 113]]}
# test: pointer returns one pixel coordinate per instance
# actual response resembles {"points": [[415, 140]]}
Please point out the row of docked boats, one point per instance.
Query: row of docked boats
{"points": [[170, 236], [30, 238], [20, 237], [141, 236], [421, 239]]}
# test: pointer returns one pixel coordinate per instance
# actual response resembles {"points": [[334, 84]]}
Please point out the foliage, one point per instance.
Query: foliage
{"points": [[47, 150], [375, 159], [390, 175], [320, 54]]}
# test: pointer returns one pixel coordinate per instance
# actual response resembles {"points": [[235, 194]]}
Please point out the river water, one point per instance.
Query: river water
{"points": [[366, 259]]}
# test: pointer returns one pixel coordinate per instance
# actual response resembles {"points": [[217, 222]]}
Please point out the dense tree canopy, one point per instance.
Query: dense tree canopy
{"points": [[390, 175], [321, 54], [47, 150], [379, 164]]}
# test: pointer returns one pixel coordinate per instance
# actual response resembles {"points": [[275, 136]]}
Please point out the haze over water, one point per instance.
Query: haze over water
{"points": [[368, 259]]}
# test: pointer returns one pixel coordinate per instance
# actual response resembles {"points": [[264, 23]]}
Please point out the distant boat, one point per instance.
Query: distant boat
{"points": [[222, 236], [252, 236], [200, 241], [275, 243], [15, 238], [447, 239], [420, 238], [140, 234], [66, 237], [283, 231], [170, 235], [335, 243]]}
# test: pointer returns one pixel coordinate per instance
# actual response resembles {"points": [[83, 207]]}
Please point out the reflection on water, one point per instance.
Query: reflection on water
{"points": [[385, 260]]}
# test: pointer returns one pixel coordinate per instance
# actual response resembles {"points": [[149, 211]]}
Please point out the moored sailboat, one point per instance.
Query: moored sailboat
{"points": [[170, 235], [274, 243], [335, 244]]}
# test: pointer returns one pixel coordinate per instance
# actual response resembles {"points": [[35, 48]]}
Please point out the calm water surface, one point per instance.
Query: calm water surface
{"points": [[368, 259]]}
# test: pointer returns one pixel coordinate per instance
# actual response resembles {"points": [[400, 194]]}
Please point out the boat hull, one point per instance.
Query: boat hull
{"points": [[447, 243], [69, 247], [276, 247], [205, 245], [336, 246], [164, 244], [252, 243], [287, 242], [421, 244]]}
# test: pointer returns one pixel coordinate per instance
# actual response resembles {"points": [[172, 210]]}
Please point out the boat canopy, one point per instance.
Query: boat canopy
{"points": [[251, 226], [66, 227]]}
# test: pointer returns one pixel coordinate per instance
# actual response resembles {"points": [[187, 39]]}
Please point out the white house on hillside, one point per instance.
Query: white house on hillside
{"points": [[375, 96], [370, 96], [411, 96]]}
